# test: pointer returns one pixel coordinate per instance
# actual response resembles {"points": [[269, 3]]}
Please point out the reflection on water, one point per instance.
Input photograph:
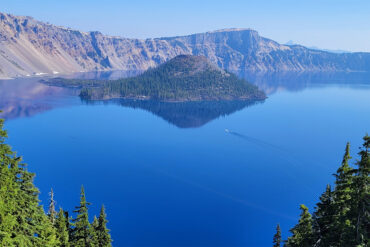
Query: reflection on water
{"points": [[185, 114], [27, 97], [271, 83]]}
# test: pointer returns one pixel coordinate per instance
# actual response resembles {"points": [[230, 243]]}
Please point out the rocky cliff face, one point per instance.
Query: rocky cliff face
{"points": [[29, 47]]}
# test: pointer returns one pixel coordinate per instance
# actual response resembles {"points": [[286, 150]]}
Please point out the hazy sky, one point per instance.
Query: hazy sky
{"points": [[331, 24]]}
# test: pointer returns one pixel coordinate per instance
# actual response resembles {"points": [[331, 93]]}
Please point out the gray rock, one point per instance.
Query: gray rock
{"points": [[29, 47]]}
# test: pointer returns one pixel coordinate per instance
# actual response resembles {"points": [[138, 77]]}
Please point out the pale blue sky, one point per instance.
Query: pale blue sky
{"points": [[331, 24]]}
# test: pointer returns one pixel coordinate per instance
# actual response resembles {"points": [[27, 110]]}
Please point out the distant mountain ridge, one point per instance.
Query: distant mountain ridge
{"points": [[291, 43], [30, 47]]}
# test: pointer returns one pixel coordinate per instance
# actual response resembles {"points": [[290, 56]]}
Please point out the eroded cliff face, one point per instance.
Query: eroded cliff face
{"points": [[29, 47]]}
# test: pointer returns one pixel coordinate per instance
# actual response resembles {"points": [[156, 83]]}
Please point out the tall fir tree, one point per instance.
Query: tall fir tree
{"points": [[342, 217], [82, 234], [277, 237], [69, 224], [23, 221], [95, 225], [342, 229], [101, 231], [62, 229], [361, 205], [323, 219], [9, 190], [302, 232]]}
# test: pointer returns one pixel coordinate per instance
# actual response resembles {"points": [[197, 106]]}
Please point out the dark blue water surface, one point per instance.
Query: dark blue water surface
{"points": [[170, 175]]}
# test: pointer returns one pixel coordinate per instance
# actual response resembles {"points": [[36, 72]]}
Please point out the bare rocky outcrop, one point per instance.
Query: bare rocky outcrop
{"points": [[29, 47]]}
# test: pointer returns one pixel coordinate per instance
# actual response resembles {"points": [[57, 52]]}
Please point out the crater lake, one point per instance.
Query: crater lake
{"points": [[190, 174]]}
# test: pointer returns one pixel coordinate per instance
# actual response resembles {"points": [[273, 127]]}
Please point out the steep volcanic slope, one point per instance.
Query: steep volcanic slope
{"points": [[240, 50], [29, 47]]}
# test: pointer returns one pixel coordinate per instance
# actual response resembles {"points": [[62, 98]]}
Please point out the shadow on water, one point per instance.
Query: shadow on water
{"points": [[184, 114]]}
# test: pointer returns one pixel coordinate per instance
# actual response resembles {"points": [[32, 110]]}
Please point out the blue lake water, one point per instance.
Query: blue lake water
{"points": [[170, 175]]}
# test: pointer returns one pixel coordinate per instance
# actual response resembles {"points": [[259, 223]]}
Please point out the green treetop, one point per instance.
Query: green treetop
{"points": [[302, 232], [62, 229], [277, 237], [361, 205], [23, 221], [101, 230], [324, 218], [82, 234]]}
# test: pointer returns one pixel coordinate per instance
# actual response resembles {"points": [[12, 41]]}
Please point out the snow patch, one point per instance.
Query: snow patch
{"points": [[40, 73]]}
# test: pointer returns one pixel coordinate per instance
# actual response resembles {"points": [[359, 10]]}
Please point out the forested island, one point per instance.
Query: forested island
{"points": [[342, 216], [183, 78], [23, 221]]}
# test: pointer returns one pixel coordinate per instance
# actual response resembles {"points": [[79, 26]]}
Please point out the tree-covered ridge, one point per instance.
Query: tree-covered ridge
{"points": [[342, 216], [183, 78], [23, 221]]}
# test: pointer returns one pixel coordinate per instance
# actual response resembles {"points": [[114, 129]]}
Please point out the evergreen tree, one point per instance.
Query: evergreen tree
{"points": [[46, 232], [30, 215], [69, 224], [342, 228], [342, 217], [323, 220], [277, 237], [95, 226], [9, 190], [302, 232], [62, 229], [102, 235], [23, 221], [82, 234], [361, 205]]}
